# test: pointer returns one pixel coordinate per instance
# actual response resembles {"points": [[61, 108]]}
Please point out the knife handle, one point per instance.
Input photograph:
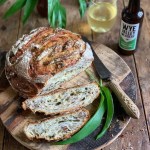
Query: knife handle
{"points": [[128, 105]]}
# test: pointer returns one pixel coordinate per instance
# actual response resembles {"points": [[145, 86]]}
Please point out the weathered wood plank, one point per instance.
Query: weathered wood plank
{"points": [[11, 144], [1, 135], [34, 21], [8, 35], [8, 28], [135, 135], [142, 59]]}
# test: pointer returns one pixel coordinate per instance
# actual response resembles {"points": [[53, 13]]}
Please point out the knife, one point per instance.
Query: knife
{"points": [[129, 106]]}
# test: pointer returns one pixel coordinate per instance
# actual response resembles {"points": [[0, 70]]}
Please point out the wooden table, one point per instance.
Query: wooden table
{"points": [[137, 134]]}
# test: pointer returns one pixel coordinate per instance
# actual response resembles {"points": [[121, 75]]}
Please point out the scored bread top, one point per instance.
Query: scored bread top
{"points": [[57, 128], [49, 50], [42, 54]]}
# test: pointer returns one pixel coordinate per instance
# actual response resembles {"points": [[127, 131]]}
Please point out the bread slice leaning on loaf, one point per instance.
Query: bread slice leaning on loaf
{"points": [[58, 128], [63, 101]]}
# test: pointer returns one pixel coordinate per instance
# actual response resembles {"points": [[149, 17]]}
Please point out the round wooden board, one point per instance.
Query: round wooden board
{"points": [[14, 118]]}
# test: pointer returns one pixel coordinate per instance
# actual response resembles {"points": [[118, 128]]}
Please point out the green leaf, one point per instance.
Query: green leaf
{"points": [[90, 126], [101, 83], [62, 17], [91, 76], [14, 8], [53, 19], [29, 7], [108, 102], [83, 7], [58, 18], [2, 1], [51, 5], [110, 111]]}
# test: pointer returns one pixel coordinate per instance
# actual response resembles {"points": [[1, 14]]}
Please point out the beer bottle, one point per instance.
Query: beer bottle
{"points": [[131, 22]]}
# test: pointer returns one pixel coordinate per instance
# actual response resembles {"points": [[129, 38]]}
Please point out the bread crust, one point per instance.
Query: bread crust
{"points": [[64, 137], [24, 105], [41, 56]]}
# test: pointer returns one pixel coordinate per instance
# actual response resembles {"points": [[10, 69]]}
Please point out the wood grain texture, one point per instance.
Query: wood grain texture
{"points": [[142, 60], [10, 143], [8, 28], [1, 135]]}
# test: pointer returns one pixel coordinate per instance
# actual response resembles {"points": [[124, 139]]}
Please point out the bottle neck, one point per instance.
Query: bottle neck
{"points": [[134, 6]]}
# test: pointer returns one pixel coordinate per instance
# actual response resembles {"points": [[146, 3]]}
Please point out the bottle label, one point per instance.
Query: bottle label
{"points": [[128, 36]]}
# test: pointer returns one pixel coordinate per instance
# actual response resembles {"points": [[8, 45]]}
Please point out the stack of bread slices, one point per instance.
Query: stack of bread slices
{"points": [[36, 66]]}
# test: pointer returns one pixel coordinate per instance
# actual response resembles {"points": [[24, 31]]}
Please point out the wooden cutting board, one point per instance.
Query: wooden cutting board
{"points": [[14, 118]]}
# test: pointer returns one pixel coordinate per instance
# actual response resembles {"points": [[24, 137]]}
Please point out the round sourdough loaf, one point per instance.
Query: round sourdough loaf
{"points": [[41, 61]]}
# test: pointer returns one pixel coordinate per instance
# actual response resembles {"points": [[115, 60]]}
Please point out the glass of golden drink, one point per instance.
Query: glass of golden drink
{"points": [[101, 15]]}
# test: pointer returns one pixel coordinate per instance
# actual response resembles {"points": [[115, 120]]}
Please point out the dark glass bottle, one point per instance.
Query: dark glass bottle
{"points": [[131, 22], [42, 7]]}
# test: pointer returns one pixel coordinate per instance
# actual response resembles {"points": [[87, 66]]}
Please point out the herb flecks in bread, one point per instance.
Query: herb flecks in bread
{"points": [[63, 101], [44, 59], [58, 128]]}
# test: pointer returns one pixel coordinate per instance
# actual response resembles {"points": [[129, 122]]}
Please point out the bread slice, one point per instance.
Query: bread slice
{"points": [[64, 100], [58, 128]]}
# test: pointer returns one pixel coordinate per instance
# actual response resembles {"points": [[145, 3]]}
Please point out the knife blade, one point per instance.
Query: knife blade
{"points": [[104, 73], [128, 105]]}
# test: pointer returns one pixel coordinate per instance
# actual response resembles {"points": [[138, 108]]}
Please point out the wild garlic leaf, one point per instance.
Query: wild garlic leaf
{"points": [[92, 76], [53, 22], [110, 111], [29, 7], [51, 5], [58, 16], [2, 1], [83, 7], [14, 8], [62, 17]]}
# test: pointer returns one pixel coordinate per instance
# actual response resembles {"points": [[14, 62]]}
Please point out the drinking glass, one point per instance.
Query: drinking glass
{"points": [[101, 15]]}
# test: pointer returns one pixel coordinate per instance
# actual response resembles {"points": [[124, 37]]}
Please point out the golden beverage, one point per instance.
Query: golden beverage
{"points": [[102, 16]]}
